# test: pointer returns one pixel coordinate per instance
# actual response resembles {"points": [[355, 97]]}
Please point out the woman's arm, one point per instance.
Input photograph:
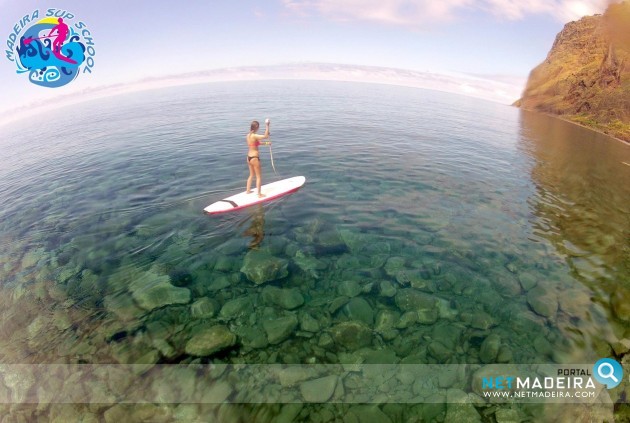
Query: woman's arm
{"points": [[263, 137]]}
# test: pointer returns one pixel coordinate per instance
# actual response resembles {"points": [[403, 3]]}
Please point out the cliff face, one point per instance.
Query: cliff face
{"points": [[586, 75]]}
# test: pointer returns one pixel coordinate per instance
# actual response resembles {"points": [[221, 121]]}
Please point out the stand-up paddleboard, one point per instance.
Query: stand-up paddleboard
{"points": [[242, 200]]}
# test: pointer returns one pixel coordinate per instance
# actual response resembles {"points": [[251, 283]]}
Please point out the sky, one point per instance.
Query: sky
{"points": [[481, 48]]}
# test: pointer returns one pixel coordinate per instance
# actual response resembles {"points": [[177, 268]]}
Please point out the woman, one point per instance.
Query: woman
{"points": [[253, 158]]}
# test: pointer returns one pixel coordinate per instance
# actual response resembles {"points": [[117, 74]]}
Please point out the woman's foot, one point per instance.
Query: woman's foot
{"points": [[261, 195]]}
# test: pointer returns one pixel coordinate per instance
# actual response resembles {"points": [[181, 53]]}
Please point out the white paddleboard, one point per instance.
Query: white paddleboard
{"points": [[270, 191]]}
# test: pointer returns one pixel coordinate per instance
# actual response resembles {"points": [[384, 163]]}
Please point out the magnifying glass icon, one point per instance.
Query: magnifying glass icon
{"points": [[608, 375]]}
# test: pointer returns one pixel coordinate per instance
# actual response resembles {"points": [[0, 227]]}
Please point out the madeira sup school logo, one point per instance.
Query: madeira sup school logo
{"points": [[51, 47]]}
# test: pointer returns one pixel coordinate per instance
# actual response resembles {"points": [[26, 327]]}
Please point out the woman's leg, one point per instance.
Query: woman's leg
{"points": [[258, 177], [251, 175]]}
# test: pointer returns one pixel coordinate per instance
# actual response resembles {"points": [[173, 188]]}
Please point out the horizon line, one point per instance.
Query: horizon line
{"points": [[455, 83]]}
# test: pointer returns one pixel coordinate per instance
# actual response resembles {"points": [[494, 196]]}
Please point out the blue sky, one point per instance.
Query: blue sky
{"points": [[488, 40]]}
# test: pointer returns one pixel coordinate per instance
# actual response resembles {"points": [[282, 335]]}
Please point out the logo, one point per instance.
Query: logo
{"points": [[608, 372], [52, 50]]}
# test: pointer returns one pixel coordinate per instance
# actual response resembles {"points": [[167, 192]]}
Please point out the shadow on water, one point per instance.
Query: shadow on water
{"points": [[256, 228]]}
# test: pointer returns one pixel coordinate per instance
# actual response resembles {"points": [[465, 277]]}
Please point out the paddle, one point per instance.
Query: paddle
{"points": [[271, 156], [271, 151], [29, 40]]}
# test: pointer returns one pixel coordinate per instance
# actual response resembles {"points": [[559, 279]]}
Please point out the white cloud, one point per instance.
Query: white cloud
{"points": [[562, 10], [418, 13], [398, 12]]}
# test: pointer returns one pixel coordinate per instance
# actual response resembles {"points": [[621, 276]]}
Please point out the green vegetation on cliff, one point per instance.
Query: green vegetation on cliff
{"points": [[586, 75]]}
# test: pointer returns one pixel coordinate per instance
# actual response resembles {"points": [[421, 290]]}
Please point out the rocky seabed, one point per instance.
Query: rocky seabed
{"points": [[317, 294]]}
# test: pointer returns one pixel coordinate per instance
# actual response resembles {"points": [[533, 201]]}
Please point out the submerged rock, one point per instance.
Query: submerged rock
{"points": [[448, 334], [236, 307], [287, 298], [527, 281], [459, 408], [425, 305], [366, 414], [410, 299], [319, 390], [349, 288], [620, 303], [123, 306], [337, 303], [352, 335], [252, 336], [217, 283], [261, 267], [416, 278], [204, 308], [575, 301], [386, 322], [359, 309], [309, 265], [280, 329], [543, 301], [387, 289], [482, 320], [439, 351], [153, 291], [490, 348], [329, 242], [208, 340], [394, 265], [308, 323], [408, 319]]}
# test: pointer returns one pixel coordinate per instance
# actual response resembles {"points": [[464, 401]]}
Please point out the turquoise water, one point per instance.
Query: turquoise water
{"points": [[429, 222]]}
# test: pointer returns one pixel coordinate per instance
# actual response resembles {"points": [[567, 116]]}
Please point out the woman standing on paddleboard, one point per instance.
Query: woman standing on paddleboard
{"points": [[253, 158]]}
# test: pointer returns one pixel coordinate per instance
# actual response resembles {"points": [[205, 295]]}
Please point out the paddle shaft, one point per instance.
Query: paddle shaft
{"points": [[30, 40], [270, 150], [271, 156]]}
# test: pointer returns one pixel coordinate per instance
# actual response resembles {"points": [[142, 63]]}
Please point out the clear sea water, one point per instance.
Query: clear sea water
{"points": [[507, 222]]}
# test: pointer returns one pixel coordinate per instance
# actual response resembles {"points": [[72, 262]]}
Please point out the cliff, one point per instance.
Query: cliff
{"points": [[586, 75]]}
